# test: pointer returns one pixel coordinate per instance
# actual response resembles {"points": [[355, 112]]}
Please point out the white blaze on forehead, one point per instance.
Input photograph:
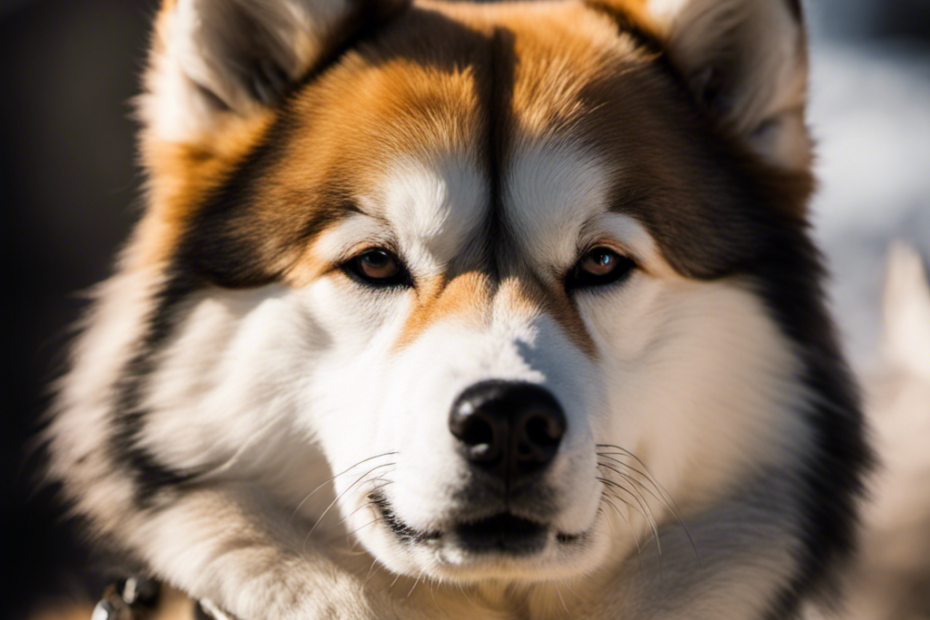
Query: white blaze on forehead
{"points": [[434, 207], [550, 192]]}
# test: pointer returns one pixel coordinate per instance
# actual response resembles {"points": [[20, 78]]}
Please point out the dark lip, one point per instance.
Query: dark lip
{"points": [[403, 531], [502, 533], [491, 533]]}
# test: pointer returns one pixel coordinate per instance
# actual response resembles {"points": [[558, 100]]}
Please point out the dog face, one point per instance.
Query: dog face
{"points": [[499, 249], [513, 277]]}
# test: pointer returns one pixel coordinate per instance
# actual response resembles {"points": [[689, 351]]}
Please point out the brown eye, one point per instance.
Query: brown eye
{"points": [[599, 267], [377, 267]]}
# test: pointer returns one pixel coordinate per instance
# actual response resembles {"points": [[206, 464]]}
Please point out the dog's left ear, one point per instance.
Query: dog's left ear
{"points": [[745, 62]]}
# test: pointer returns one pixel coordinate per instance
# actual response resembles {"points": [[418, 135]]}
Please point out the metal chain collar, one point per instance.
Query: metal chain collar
{"points": [[138, 598]]}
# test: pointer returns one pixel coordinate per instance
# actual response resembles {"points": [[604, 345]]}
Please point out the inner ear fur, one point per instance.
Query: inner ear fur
{"points": [[214, 61], [745, 63]]}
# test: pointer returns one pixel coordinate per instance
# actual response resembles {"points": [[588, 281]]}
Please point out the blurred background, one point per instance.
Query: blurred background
{"points": [[69, 193]]}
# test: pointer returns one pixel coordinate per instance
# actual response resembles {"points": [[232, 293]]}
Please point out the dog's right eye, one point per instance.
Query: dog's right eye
{"points": [[378, 267]]}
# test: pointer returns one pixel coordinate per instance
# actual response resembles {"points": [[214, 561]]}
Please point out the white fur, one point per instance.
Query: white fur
{"points": [[554, 189], [436, 207]]}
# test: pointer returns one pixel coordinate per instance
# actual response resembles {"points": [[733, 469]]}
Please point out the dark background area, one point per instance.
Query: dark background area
{"points": [[69, 193], [69, 189]]}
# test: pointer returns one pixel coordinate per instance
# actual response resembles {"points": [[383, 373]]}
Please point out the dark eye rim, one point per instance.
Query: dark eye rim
{"points": [[577, 278], [352, 269]]}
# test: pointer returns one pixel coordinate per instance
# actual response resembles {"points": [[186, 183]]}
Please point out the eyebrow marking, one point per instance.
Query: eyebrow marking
{"points": [[467, 295]]}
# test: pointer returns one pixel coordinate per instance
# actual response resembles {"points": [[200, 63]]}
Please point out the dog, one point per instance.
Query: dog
{"points": [[450, 310]]}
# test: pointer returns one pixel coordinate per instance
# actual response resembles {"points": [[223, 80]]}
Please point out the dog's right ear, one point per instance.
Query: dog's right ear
{"points": [[217, 60]]}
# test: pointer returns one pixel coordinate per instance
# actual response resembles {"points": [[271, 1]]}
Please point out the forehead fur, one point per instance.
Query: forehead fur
{"points": [[485, 83]]}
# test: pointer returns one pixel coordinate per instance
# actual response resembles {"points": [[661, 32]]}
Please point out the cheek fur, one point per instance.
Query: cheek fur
{"points": [[245, 369], [700, 383], [230, 380]]}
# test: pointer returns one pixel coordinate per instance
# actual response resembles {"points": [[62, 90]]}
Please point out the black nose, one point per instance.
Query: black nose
{"points": [[508, 429]]}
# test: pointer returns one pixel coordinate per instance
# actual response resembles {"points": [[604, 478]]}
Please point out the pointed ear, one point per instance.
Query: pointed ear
{"points": [[218, 59], [745, 61]]}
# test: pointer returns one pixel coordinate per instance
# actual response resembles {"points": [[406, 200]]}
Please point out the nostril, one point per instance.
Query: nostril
{"points": [[544, 430], [477, 430], [477, 433]]}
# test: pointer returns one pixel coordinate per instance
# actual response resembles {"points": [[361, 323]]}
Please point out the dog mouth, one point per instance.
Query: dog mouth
{"points": [[503, 533]]}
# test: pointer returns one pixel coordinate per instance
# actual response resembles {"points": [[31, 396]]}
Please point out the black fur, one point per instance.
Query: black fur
{"points": [[790, 281], [149, 474]]}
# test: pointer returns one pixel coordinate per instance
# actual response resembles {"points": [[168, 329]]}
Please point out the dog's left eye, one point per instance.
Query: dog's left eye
{"points": [[599, 267], [378, 267]]}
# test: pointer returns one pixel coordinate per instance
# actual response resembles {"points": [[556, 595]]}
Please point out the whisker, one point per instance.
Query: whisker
{"points": [[635, 481], [338, 497], [465, 593], [370, 571], [610, 525], [565, 583], [561, 600], [420, 576], [432, 593], [367, 503], [370, 458], [669, 501], [646, 510], [639, 549], [645, 473], [349, 516], [639, 484], [670, 508], [256, 438], [348, 535], [613, 494]]}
